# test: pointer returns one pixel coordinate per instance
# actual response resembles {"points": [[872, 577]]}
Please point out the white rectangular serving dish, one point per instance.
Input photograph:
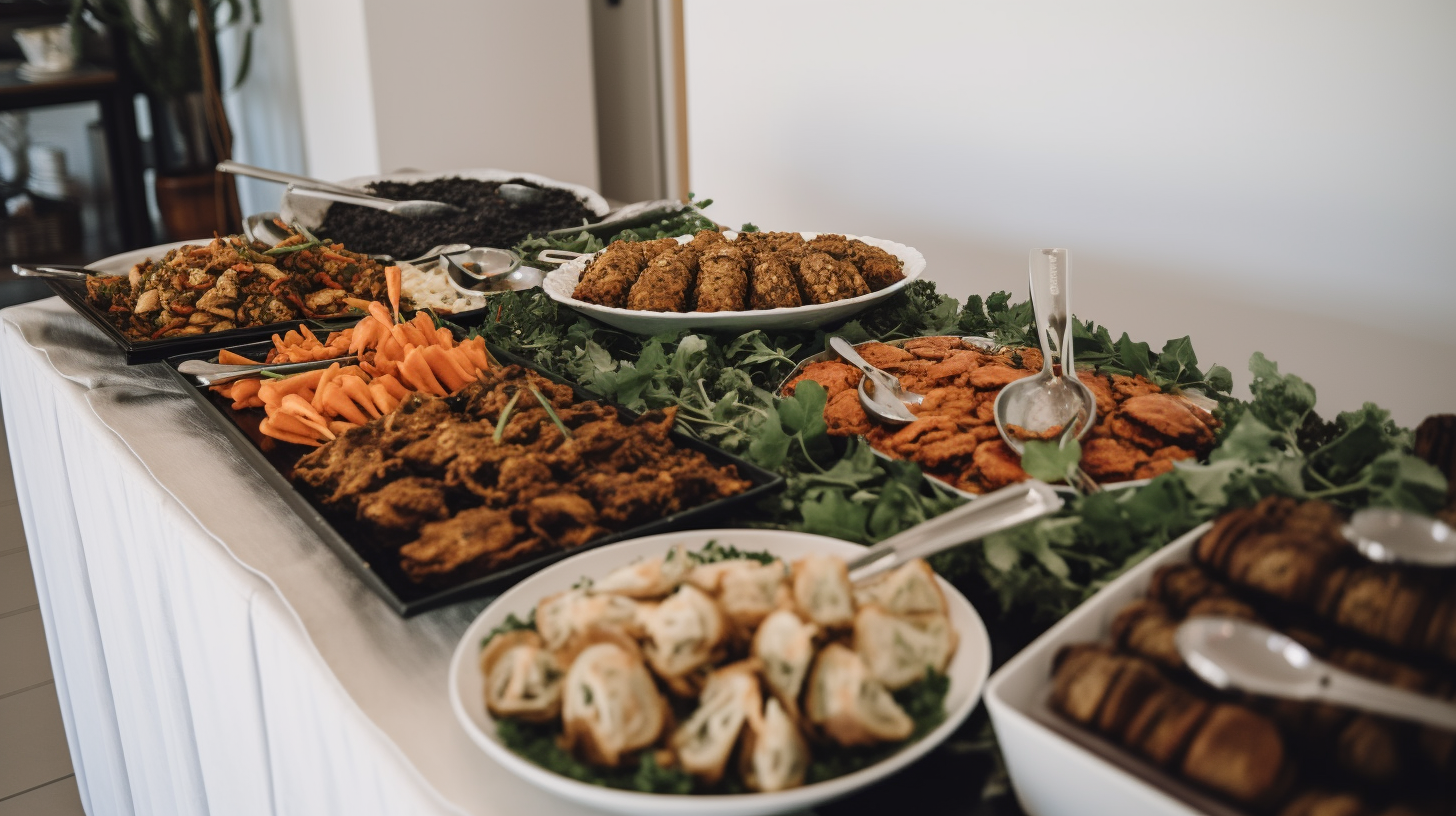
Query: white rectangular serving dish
{"points": [[1059, 769]]}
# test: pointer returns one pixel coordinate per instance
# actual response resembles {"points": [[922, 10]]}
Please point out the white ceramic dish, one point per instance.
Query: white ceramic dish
{"points": [[967, 672], [1058, 769], [561, 282], [310, 212]]}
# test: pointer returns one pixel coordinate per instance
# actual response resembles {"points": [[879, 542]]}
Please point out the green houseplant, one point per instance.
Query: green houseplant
{"points": [[170, 49]]}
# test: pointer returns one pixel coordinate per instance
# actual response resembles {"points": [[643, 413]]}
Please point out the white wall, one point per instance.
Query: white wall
{"points": [[1272, 176], [445, 84]]}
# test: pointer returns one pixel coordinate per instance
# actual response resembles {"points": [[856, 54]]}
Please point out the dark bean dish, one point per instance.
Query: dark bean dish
{"points": [[488, 220]]}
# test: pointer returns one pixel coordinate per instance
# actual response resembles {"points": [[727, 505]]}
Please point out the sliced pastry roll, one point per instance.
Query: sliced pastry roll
{"points": [[610, 706], [784, 647], [522, 679], [850, 706], [749, 591], [897, 649], [684, 632], [650, 577], [775, 755], [822, 591], [910, 589], [703, 743], [576, 611]]}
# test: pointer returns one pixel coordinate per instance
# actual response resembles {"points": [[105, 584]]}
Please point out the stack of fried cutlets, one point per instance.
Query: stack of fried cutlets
{"points": [[758, 270]]}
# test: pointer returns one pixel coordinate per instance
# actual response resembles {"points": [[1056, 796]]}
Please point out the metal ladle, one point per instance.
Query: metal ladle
{"points": [[1055, 397], [1239, 654], [880, 392], [1390, 535]]}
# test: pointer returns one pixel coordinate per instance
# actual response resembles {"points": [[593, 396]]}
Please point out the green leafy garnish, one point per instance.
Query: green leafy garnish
{"points": [[511, 624]]}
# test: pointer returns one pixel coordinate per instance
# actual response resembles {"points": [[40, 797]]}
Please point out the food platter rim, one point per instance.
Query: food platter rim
{"points": [[559, 277], [590, 198], [1022, 677], [1066, 490], [624, 801], [764, 483]]}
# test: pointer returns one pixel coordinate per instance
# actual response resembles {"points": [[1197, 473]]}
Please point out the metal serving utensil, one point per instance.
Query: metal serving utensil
{"points": [[632, 215], [1390, 535], [240, 169], [206, 373], [879, 391], [520, 194], [991, 513], [262, 228], [57, 271], [1239, 654], [405, 209], [483, 263], [1055, 396]]}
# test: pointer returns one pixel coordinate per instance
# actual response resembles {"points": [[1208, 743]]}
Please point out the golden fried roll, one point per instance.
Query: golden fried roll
{"points": [[722, 279], [878, 267], [772, 285], [666, 285], [822, 279], [834, 245], [651, 249], [611, 275], [706, 240]]}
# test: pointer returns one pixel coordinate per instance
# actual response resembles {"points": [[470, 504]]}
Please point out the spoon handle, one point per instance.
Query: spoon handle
{"points": [[355, 198], [1047, 269], [1344, 688], [976, 519], [75, 273], [240, 169], [846, 350]]}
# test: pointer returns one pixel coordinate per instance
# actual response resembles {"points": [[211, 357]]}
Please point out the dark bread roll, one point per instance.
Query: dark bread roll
{"points": [[1082, 682], [1238, 753], [1164, 728], [1325, 803]]}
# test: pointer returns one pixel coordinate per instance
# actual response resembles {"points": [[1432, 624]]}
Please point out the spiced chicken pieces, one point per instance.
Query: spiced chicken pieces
{"points": [[461, 486], [757, 270]]}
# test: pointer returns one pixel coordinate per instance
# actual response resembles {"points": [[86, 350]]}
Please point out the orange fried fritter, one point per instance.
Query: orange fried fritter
{"points": [[845, 416], [998, 465], [881, 355], [836, 377]]}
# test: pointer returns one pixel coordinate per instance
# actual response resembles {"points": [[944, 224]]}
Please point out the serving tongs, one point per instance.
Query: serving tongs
{"points": [[991, 513], [56, 271], [632, 215], [206, 373]]}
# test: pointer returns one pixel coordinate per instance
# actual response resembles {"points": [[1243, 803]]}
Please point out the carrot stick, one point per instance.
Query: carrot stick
{"points": [[320, 390], [416, 371], [459, 363], [394, 283], [380, 312], [298, 406], [359, 303], [355, 389], [474, 351], [225, 357], [341, 427], [425, 326], [383, 400], [267, 428], [392, 385], [243, 389], [444, 338], [288, 423]]}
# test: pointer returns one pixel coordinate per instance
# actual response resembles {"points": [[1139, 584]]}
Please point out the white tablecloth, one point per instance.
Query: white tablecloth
{"points": [[211, 655]]}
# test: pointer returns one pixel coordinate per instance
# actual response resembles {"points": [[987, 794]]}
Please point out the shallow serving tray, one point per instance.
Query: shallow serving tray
{"points": [[1058, 768], [983, 343], [274, 461], [149, 351]]}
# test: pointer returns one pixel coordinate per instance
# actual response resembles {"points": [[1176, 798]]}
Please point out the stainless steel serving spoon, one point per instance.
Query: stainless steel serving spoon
{"points": [[1239, 654], [240, 169], [206, 373], [1390, 535], [990, 513], [880, 392], [57, 271], [1055, 397], [405, 209]]}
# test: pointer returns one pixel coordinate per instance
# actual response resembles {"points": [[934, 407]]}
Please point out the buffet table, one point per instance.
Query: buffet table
{"points": [[210, 654]]}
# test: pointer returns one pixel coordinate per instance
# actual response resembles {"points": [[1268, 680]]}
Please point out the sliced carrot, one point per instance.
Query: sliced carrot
{"points": [[356, 390], [268, 429], [225, 357]]}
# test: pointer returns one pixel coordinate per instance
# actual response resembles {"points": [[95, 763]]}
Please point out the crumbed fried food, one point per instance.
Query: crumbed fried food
{"points": [[836, 246], [722, 279], [824, 279], [844, 415], [610, 275], [651, 249], [772, 284], [836, 377], [666, 285], [878, 267], [432, 481]]}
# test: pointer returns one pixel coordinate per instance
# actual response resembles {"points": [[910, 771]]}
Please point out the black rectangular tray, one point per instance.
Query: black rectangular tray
{"points": [[274, 461], [150, 351]]}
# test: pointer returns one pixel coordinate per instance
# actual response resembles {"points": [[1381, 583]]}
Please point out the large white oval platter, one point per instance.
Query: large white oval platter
{"points": [[967, 672], [561, 282]]}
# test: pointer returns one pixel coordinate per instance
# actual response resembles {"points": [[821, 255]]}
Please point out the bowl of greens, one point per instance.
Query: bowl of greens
{"points": [[717, 671]]}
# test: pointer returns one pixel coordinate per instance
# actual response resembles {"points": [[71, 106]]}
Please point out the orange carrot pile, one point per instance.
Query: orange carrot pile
{"points": [[396, 359]]}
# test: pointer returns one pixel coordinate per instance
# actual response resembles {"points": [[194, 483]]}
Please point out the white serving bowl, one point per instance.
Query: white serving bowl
{"points": [[121, 264], [561, 282], [1059, 769], [967, 673]]}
